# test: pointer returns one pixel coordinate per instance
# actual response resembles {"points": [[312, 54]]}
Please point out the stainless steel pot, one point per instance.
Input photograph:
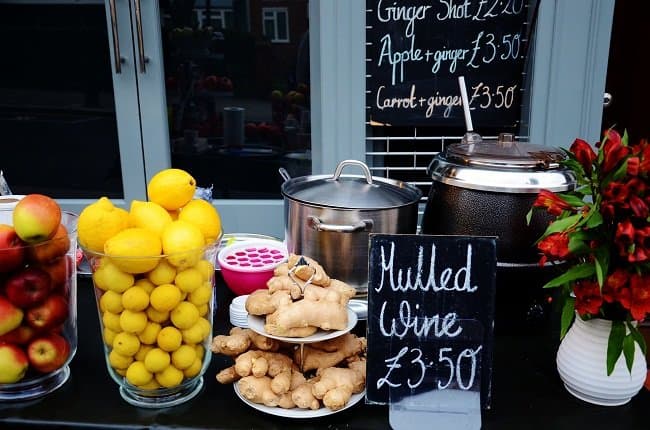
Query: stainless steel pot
{"points": [[487, 188], [329, 218]]}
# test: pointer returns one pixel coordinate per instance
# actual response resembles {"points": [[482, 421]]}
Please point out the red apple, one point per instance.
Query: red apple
{"points": [[59, 270], [50, 249], [13, 364], [36, 218], [21, 335], [28, 287], [11, 249], [48, 353], [10, 316], [52, 312]]}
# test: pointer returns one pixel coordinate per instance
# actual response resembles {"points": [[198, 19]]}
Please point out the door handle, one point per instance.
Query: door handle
{"points": [[138, 27], [116, 37], [607, 99]]}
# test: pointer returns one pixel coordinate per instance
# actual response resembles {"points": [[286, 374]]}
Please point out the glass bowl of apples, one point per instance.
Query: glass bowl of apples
{"points": [[38, 293]]}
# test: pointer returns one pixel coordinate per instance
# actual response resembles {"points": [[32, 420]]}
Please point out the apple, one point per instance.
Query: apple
{"points": [[48, 353], [28, 287], [59, 270], [52, 312], [36, 218], [49, 250], [10, 316], [13, 364], [11, 249], [21, 335]]}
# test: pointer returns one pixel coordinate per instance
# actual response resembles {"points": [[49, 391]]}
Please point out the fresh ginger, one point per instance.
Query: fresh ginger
{"points": [[305, 313], [330, 353], [258, 390], [336, 385], [262, 302], [303, 397]]}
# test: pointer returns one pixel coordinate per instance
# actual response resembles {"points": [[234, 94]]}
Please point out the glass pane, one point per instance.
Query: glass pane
{"points": [[238, 105], [57, 112], [282, 26], [269, 28]]}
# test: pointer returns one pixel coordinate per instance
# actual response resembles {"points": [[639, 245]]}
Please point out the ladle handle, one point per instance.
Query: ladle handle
{"points": [[362, 165], [285, 175], [464, 98]]}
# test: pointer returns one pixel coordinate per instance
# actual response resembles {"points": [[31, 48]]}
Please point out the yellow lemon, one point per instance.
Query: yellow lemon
{"points": [[109, 277], [133, 322], [148, 215], [130, 248], [146, 284], [194, 369], [184, 316], [157, 316], [126, 344], [201, 295], [169, 377], [165, 297], [171, 188], [150, 333], [203, 215], [189, 280], [200, 350], [98, 222], [183, 357], [151, 385], [137, 374], [111, 321], [198, 332], [169, 339], [156, 360], [111, 301], [206, 268], [119, 361], [142, 352], [163, 273], [109, 336], [135, 299], [203, 309], [183, 243]]}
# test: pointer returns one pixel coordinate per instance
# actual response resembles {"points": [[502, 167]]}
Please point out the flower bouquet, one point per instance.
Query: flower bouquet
{"points": [[601, 232]]}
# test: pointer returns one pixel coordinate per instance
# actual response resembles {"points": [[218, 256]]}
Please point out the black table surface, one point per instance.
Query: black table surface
{"points": [[527, 393]]}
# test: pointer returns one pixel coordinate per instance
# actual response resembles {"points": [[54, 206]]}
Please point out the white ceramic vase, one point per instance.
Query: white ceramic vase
{"points": [[582, 365]]}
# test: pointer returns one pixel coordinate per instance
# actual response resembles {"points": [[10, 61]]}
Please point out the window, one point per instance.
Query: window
{"points": [[219, 19], [275, 23]]}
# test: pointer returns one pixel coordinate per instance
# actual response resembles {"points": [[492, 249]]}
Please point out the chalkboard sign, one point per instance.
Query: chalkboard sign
{"points": [[417, 49], [428, 298]]}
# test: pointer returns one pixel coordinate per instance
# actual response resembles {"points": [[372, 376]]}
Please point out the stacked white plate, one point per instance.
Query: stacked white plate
{"points": [[238, 314]]}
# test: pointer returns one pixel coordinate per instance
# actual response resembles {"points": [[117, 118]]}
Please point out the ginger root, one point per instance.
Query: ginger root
{"points": [[304, 313], [336, 385], [330, 353], [258, 390]]}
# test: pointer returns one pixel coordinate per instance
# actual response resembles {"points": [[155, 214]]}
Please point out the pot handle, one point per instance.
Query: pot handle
{"points": [[285, 175], [316, 224], [364, 167]]}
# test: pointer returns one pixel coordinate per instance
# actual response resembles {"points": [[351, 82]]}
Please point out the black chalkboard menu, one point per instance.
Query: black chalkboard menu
{"points": [[430, 315], [417, 49]]}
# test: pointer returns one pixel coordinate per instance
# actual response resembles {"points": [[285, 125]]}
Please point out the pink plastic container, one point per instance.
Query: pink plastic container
{"points": [[247, 266]]}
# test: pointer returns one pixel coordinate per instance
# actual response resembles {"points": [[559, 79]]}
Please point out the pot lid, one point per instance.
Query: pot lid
{"points": [[351, 191], [503, 166]]}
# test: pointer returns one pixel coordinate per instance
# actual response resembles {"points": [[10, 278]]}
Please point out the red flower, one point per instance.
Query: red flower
{"points": [[613, 150], [624, 237], [641, 247], [555, 246], [588, 298], [616, 192], [553, 203], [638, 206], [633, 164], [584, 154], [640, 289], [616, 288]]}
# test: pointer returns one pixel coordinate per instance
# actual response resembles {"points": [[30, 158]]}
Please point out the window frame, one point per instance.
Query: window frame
{"points": [[275, 11]]}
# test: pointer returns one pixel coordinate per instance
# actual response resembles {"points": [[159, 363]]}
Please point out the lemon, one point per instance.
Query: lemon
{"points": [[206, 268], [146, 284], [194, 369], [151, 385], [169, 339], [165, 297], [200, 350], [129, 248], [157, 316], [137, 374], [135, 299], [109, 277], [150, 333], [163, 273], [126, 344], [156, 360], [203, 215], [133, 322], [201, 295], [203, 309], [185, 315], [183, 243], [149, 215], [111, 301], [111, 321], [170, 377], [121, 372], [197, 332], [171, 188], [119, 361], [142, 352], [189, 280], [99, 221], [109, 336], [183, 357]]}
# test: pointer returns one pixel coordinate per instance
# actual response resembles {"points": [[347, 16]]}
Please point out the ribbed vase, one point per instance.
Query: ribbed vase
{"points": [[582, 365]]}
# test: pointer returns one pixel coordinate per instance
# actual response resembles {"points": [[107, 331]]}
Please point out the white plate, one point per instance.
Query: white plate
{"points": [[297, 412], [256, 323]]}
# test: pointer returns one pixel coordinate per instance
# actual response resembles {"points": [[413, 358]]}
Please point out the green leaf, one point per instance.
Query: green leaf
{"points": [[638, 338], [628, 351], [568, 313], [529, 215], [580, 271], [595, 219], [625, 139], [601, 260], [577, 246], [562, 224], [615, 345], [571, 199]]}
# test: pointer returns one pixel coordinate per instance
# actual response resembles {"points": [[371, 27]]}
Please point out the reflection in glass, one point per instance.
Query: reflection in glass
{"points": [[237, 86]]}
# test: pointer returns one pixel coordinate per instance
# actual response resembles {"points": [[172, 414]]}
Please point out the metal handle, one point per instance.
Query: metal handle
{"points": [[317, 224], [285, 175], [361, 164], [138, 26], [607, 99], [116, 37]]}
